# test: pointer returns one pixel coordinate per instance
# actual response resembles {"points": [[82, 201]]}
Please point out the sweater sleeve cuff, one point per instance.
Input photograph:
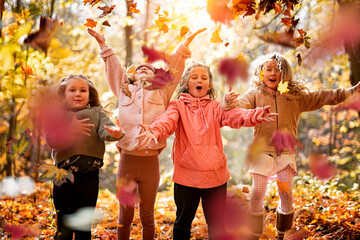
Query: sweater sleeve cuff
{"points": [[106, 51], [182, 50]]}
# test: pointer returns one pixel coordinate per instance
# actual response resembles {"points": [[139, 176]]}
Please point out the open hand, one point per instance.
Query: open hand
{"points": [[147, 135], [99, 38], [115, 132], [81, 126], [191, 37], [267, 116], [231, 96]]}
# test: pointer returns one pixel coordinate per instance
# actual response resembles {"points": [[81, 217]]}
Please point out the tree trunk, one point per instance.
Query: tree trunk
{"points": [[147, 14], [12, 127], [52, 6], [128, 34], [2, 6]]}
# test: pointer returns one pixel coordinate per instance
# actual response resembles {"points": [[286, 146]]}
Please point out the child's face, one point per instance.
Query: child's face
{"points": [[272, 74], [199, 82], [76, 94], [143, 73]]}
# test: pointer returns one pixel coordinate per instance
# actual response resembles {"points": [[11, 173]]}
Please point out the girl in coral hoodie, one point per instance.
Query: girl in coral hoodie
{"points": [[267, 73], [200, 167]]}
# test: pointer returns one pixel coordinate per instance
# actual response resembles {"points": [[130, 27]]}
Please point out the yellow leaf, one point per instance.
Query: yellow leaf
{"points": [[283, 186], [7, 56], [283, 87], [215, 37], [261, 75], [184, 30], [24, 29]]}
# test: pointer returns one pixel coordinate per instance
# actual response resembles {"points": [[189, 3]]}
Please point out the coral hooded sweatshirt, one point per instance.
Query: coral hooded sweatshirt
{"points": [[198, 156]]}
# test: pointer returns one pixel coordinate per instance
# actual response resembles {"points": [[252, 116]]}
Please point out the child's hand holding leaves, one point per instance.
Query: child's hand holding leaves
{"points": [[231, 96], [148, 136], [115, 132]]}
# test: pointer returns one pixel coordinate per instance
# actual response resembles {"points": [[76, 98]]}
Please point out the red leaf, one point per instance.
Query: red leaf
{"points": [[126, 192], [42, 38], [284, 140], [320, 166], [219, 11], [293, 234], [233, 68], [161, 79], [16, 231], [154, 55]]}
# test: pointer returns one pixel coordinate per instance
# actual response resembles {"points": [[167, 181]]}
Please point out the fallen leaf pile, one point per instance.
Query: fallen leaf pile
{"points": [[324, 213]]}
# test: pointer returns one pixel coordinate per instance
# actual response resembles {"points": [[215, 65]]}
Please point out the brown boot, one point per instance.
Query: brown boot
{"points": [[256, 224], [284, 222]]}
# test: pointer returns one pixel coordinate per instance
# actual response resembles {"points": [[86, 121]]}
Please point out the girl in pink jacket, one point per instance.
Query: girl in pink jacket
{"points": [[138, 105], [200, 167]]}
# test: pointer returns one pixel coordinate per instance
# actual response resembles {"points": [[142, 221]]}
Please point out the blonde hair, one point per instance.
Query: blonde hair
{"points": [[184, 82], [296, 87]]}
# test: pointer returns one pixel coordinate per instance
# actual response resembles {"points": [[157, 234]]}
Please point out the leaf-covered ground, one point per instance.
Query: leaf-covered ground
{"points": [[321, 210]]}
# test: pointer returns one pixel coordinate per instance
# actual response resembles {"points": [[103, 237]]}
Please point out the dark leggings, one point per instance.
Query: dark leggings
{"points": [[187, 200], [144, 170], [69, 197]]}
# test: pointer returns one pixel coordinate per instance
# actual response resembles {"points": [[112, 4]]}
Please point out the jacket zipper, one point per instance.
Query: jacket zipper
{"points": [[277, 119]]}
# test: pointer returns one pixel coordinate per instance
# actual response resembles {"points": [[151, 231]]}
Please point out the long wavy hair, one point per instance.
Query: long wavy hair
{"points": [[184, 82], [296, 88], [94, 99]]}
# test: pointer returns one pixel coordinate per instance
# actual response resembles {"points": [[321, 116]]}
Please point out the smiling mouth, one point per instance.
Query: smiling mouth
{"points": [[272, 80], [198, 87]]}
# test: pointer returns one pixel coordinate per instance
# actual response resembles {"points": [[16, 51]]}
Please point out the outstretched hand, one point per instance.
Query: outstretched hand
{"points": [[266, 116], [99, 38], [191, 37], [148, 136], [231, 96], [81, 126], [115, 132]]}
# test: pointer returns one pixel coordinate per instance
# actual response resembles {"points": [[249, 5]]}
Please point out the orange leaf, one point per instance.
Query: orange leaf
{"points": [[27, 70], [184, 30], [91, 2], [157, 10], [226, 44], [287, 12], [215, 37], [286, 21], [301, 32], [90, 23], [133, 8], [219, 11], [283, 186], [299, 41], [278, 8]]}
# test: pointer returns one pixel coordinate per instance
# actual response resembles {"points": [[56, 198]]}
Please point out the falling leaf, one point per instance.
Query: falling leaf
{"points": [[106, 23], [283, 38], [283, 87], [53, 173], [284, 140], [161, 79], [283, 186], [106, 10], [299, 59], [234, 68], [90, 23], [161, 21], [154, 55], [42, 38], [219, 11], [226, 44], [299, 41], [16, 231], [352, 103], [261, 75], [243, 7], [255, 150], [320, 166], [21, 145], [82, 219], [91, 2], [125, 192], [133, 8], [184, 30], [278, 8], [215, 37]]}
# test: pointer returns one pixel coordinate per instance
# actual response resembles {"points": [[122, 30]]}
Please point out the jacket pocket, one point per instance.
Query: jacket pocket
{"points": [[202, 158]]}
